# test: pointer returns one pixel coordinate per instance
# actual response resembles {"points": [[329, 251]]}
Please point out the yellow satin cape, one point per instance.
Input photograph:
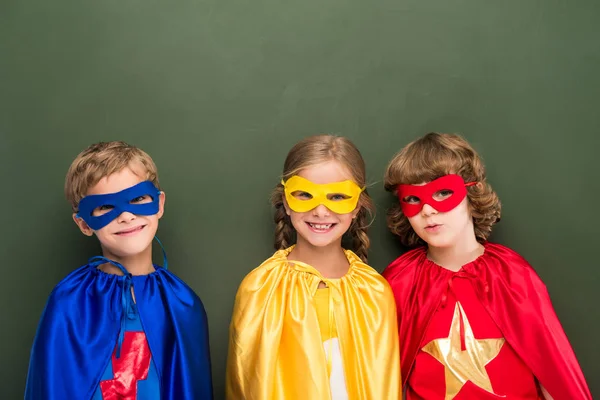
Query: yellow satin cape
{"points": [[275, 346]]}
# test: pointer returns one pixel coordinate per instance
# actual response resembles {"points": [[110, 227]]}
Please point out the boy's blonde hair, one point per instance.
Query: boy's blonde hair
{"points": [[430, 157], [101, 160], [316, 150]]}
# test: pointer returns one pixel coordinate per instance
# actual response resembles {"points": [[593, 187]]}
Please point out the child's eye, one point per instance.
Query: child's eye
{"points": [[302, 195], [411, 200], [103, 209], [337, 196], [443, 194], [142, 199]]}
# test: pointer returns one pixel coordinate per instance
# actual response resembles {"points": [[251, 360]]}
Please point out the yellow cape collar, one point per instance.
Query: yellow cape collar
{"points": [[280, 258]]}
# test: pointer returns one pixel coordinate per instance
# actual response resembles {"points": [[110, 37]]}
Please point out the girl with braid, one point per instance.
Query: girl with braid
{"points": [[314, 321]]}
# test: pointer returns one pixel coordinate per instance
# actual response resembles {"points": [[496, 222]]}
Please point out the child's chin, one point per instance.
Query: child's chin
{"points": [[128, 251], [439, 243], [323, 242]]}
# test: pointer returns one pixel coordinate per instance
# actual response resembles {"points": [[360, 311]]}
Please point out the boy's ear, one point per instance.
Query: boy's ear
{"points": [[161, 204], [83, 226]]}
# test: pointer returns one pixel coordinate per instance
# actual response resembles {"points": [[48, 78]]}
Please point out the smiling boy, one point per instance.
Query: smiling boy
{"points": [[119, 327]]}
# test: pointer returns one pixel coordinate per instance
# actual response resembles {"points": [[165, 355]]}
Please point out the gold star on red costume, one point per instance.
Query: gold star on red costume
{"points": [[464, 361]]}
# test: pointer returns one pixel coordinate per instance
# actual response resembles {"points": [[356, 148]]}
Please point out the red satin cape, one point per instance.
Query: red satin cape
{"points": [[514, 296]]}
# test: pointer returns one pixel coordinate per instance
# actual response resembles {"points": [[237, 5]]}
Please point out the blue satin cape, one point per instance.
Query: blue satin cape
{"points": [[80, 328]]}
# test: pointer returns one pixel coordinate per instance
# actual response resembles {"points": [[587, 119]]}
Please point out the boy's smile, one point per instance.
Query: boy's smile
{"points": [[130, 231]]}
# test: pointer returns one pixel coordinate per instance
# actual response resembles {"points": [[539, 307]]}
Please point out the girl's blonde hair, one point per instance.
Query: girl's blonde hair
{"points": [[316, 150], [430, 157]]}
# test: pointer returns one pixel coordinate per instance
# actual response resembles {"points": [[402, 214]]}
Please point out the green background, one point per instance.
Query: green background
{"points": [[218, 91]]}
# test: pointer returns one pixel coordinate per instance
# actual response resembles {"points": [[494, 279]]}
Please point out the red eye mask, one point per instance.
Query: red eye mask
{"points": [[413, 198]]}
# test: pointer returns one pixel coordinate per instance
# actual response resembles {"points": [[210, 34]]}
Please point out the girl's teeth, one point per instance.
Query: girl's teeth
{"points": [[321, 226]]}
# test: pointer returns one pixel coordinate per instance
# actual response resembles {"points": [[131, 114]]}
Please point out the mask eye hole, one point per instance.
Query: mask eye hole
{"points": [[146, 198], [443, 194], [300, 195], [101, 210], [338, 196], [411, 200]]}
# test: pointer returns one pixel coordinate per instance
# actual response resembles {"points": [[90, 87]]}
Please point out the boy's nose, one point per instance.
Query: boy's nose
{"points": [[125, 217], [428, 210]]}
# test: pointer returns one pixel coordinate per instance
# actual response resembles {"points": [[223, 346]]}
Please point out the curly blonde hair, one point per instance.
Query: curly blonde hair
{"points": [[430, 157], [101, 160], [315, 150]]}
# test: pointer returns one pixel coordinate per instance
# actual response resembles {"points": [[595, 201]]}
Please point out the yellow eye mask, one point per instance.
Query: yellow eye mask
{"points": [[303, 195]]}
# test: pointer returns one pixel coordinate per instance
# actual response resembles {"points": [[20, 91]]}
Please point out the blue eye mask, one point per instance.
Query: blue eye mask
{"points": [[120, 202]]}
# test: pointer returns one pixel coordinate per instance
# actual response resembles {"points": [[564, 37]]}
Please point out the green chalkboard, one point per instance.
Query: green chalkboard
{"points": [[218, 91]]}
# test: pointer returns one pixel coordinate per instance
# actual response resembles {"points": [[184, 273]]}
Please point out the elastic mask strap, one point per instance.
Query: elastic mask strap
{"points": [[165, 266]]}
